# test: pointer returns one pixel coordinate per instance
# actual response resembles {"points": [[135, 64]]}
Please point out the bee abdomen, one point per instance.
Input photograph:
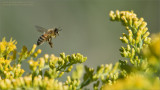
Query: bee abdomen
{"points": [[41, 39]]}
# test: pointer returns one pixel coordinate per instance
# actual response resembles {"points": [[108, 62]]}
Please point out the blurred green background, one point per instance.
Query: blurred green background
{"points": [[86, 26]]}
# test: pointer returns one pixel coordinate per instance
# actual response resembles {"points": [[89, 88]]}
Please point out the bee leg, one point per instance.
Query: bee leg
{"points": [[51, 44]]}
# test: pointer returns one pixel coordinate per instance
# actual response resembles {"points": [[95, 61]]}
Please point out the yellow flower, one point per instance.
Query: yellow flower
{"points": [[135, 81], [33, 49], [155, 44], [11, 46], [153, 51], [7, 62], [41, 62], [37, 52], [7, 47], [33, 64], [3, 45], [28, 80], [2, 60]]}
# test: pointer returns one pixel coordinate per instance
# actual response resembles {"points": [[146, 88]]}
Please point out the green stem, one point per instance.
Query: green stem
{"points": [[45, 67], [64, 66], [85, 83]]}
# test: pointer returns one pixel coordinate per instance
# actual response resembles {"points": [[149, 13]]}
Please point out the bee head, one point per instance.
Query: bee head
{"points": [[56, 31]]}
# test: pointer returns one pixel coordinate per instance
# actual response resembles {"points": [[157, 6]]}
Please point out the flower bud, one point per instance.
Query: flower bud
{"points": [[146, 35]]}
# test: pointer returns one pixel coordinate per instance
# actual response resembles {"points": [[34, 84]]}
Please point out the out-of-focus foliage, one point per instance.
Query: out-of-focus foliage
{"points": [[152, 54], [139, 68], [136, 82]]}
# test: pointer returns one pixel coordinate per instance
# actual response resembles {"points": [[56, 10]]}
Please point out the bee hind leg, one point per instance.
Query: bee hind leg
{"points": [[51, 44], [50, 41]]}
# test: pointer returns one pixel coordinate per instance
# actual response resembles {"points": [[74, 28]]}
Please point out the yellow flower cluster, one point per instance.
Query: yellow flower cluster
{"points": [[134, 82], [7, 47], [24, 54], [155, 45], [136, 27], [72, 83], [142, 52], [137, 37], [56, 65], [107, 73], [7, 55], [52, 66], [38, 83]]}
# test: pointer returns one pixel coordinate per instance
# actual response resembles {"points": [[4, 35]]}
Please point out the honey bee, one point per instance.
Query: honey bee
{"points": [[47, 35]]}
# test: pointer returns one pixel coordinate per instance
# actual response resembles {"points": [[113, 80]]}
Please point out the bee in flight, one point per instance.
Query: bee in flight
{"points": [[47, 35]]}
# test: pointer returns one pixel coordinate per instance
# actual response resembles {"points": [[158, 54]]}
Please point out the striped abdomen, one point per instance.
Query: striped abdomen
{"points": [[41, 39]]}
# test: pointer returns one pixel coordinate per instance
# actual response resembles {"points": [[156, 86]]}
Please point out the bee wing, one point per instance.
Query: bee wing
{"points": [[41, 29]]}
